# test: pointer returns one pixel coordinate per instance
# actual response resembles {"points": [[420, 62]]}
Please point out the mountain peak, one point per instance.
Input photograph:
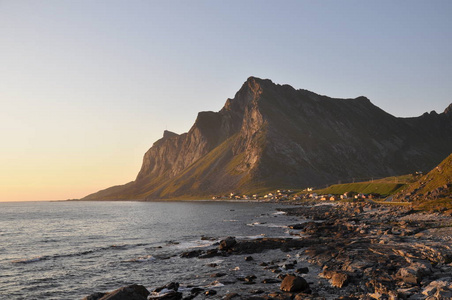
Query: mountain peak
{"points": [[273, 136]]}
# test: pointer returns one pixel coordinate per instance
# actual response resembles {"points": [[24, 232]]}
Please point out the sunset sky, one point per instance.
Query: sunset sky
{"points": [[86, 87]]}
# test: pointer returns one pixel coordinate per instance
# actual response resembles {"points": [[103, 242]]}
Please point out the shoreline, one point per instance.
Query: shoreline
{"points": [[343, 251]]}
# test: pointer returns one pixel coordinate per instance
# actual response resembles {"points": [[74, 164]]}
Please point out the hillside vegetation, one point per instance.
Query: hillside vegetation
{"points": [[431, 191], [384, 187]]}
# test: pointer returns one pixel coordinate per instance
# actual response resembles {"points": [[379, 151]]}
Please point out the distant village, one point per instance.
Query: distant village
{"points": [[306, 194]]}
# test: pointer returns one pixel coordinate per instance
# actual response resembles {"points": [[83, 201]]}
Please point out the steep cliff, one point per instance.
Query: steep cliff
{"points": [[271, 136]]}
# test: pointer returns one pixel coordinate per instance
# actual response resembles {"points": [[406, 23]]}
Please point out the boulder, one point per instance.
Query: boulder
{"points": [[95, 296], [293, 283], [131, 292]]}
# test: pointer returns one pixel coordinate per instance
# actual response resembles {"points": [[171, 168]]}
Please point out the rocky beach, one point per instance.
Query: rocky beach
{"points": [[337, 251]]}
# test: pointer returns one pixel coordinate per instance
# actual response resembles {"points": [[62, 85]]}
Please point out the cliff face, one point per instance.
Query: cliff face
{"points": [[271, 136]]}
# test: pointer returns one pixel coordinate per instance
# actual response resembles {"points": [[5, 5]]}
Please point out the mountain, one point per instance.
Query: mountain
{"points": [[273, 136], [431, 190]]}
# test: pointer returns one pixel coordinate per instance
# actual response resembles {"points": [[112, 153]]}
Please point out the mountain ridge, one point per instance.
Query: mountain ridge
{"points": [[272, 135]]}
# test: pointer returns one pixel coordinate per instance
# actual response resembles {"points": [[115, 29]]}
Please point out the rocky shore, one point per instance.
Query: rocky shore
{"points": [[343, 251]]}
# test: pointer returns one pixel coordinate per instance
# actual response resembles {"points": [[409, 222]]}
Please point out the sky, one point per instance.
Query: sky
{"points": [[87, 86]]}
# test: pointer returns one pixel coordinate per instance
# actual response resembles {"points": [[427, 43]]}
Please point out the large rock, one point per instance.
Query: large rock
{"points": [[227, 243], [294, 284], [131, 292]]}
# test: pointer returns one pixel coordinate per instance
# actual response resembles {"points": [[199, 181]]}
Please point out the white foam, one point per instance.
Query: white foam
{"points": [[273, 225], [216, 283], [280, 213], [143, 259], [194, 244]]}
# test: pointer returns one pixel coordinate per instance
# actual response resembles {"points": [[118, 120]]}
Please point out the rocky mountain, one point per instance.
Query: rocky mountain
{"points": [[274, 136], [431, 190]]}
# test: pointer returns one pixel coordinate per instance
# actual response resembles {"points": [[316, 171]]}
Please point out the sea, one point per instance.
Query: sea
{"points": [[71, 249]]}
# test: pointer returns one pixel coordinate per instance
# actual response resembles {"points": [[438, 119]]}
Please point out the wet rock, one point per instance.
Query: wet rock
{"points": [[209, 253], [232, 296], [249, 258], [227, 243], [210, 293], [196, 291], [297, 226], [270, 280], [304, 270], [170, 286], [288, 266], [131, 292], [171, 295], [95, 296], [191, 254], [293, 283]]}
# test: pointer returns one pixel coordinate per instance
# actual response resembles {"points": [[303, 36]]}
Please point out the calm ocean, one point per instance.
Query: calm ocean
{"points": [[68, 250]]}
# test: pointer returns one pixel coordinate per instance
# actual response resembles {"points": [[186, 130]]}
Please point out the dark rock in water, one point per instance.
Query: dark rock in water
{"points": [[231, 296], [249, 258], [297, 226], [172, 295], [304, 270], [196, 291], [288, 266], [95, 296], [170, 286], [131, 292], [227, 243], [209, 253], [191, 254], [210, 293], [271, 280], [293, 283]]}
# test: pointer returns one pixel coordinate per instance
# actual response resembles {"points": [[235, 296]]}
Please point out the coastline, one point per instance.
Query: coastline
{"points": [[343, 251]]}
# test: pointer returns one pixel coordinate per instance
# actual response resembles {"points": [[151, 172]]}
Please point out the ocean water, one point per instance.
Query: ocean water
{"points": [[68, 250]]}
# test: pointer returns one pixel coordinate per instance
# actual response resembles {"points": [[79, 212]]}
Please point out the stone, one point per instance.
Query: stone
{"points": [[249, 258], [210, 293], [227, 243], [339, 280], [270, 280], [95, 296], [170, 286], [131, 292], [293, 283], [304, 270]]}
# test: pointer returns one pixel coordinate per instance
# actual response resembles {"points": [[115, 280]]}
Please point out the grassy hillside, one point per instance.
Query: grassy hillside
{"points": [[385, 187], [432, 191]]}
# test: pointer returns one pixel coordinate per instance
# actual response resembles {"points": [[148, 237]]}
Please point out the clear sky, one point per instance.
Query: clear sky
{"points": [[86, 86]]}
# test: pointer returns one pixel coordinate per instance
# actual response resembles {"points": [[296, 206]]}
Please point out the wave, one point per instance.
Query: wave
{"points": [[29, 260], [143, 259], [280, 213], [82, 252], [273, 225]]}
